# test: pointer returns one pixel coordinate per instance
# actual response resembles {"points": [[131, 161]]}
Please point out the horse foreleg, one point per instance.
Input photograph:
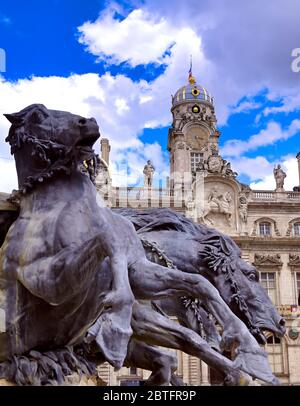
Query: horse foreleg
{"points": [[153, 328], [112, 330], [206, 218], [162, 363], [194, 317], [228, 217], [152, 281]]}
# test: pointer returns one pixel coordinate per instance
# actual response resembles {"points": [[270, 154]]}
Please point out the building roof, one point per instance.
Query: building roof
{"points": [[192, 92]]}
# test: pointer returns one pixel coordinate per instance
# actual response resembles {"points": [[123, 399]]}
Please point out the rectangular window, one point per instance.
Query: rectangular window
{"points": [[265, 229], [297, 229], [268, 281], [196, 158], [274, 351], [298, 283], [132, 371]]}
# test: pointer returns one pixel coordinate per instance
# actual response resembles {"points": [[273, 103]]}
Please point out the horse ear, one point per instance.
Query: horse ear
{"points": [[12, 118]]}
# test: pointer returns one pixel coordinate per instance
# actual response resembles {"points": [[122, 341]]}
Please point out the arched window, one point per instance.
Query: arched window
{"points": [[274, 350], [265, 229], [297, 229]]}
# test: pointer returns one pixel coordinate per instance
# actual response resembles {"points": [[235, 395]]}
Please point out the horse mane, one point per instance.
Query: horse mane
{"points": [[154, 219], [158, 219]]}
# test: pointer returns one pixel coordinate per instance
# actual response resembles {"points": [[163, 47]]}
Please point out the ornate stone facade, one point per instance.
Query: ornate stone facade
{"points": [[264, 223]]}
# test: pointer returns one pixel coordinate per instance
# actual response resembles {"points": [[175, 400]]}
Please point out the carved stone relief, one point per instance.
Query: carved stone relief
{"points": [[215, 164], [218, 208], [267, 260], [294, 260]]}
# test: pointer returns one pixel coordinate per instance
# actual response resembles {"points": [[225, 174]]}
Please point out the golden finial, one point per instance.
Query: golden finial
{"points": [[192, 79]]}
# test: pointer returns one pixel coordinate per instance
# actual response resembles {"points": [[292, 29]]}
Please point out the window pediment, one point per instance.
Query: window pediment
{"points": [[291, 226], [261, 260], [266, 220]]}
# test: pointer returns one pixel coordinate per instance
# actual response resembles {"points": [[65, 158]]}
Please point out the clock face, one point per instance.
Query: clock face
{"points": [[197, 138], [195, 109]]}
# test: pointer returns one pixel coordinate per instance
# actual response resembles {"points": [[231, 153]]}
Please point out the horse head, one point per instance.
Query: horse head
{"points": [[238, 283], [45, 142]]}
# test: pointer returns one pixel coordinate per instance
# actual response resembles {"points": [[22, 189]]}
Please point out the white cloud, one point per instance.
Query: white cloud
{"points": [[121, 106], [289, 104], [245, 107], [268, 136], [113, 101], [138, 39], [244, 166], [132, 174], [8, 175], [231, 66], [260, 171], [290, 166]]}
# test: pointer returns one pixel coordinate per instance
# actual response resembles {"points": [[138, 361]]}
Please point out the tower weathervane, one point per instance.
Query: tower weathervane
{"points": [[192, 80]]}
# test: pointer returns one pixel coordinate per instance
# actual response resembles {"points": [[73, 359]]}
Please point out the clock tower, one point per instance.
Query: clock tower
{"points": [[193, 136]]}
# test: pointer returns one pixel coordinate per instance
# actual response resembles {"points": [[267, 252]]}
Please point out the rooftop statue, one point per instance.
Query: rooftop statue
{"points": [[279, 176], [148, 174], [82, 284]]}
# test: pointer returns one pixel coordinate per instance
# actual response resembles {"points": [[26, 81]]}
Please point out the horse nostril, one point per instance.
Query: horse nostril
{"points": [[82, 121], [282, 322]]}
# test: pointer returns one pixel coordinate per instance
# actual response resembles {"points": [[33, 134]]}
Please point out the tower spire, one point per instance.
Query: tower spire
{"points": [[192, 80]]}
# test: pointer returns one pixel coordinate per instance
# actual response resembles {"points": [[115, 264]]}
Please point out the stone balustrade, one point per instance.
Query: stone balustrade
{"points": [[270, 196], [289, 310]]}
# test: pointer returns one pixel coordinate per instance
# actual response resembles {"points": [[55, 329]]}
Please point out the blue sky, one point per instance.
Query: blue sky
{"points": [[121, 61]]}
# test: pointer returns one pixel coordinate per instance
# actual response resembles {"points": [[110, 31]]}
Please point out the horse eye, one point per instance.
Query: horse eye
{"points": [[252, 277], [37, 117]]}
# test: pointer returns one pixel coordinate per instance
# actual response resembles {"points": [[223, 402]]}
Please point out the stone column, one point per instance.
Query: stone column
{"points": [[298, 159], [204, 373], [168, 182], [105, 150]]}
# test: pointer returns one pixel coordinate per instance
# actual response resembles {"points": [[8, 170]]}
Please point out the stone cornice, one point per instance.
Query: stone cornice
{"points": [[262, 205], [274, 242]]}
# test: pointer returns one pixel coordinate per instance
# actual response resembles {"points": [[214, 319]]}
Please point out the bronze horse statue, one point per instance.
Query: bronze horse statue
{"points": [[73, 271]]}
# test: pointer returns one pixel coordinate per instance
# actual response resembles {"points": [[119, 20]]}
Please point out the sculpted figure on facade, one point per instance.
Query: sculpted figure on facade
{"points": [[243, 208], [215, 197], [217, 202], [227, 171], [102, 178], [279, 176], [148, 174]]}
